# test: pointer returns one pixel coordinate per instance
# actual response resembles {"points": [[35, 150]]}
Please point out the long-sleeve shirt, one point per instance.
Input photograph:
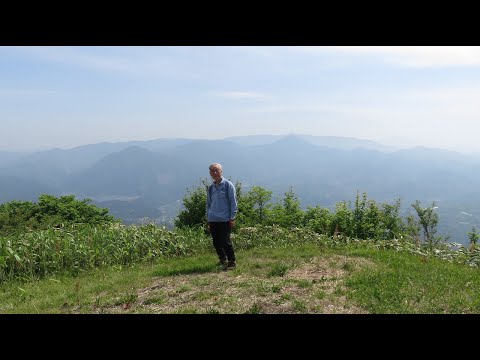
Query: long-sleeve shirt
{"points": [[221, 202]]}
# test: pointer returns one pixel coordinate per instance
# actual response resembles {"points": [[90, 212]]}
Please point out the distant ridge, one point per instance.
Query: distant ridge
{"points": [[336, 142], [140, 179]]}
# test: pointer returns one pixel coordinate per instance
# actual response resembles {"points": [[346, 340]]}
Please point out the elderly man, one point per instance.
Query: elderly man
{"points": [[221, 212]]}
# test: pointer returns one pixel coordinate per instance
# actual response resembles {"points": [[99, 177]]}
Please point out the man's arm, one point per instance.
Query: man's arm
{"points": [[233, 204], [208, 205]]}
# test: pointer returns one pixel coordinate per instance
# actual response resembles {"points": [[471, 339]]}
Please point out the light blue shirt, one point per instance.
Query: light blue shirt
{"points": [[221, 202]]}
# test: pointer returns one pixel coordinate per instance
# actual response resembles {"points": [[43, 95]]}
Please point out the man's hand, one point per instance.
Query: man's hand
{"points": [[232, 223]]}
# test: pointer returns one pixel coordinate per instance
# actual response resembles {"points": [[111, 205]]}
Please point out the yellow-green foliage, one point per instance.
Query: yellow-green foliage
{"points": [[79, 247]]}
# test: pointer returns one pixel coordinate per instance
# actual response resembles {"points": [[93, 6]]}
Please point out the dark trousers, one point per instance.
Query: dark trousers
{"points": [[221, 240]]}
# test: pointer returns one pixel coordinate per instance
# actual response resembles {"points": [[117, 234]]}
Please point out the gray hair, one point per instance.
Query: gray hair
{"points": [[217, 165]]}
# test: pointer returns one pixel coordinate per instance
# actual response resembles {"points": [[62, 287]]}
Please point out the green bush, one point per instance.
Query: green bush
{"points": [[50, 211]]}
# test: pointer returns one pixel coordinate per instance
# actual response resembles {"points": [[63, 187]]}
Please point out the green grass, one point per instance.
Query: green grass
{"points": [[301, 278], [404, 283]]}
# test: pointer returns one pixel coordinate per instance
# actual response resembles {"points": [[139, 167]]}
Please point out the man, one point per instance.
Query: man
{"points": [[221, 212]]}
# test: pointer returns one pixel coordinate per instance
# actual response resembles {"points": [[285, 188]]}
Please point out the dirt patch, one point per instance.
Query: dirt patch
{"points": [[313, 287]]}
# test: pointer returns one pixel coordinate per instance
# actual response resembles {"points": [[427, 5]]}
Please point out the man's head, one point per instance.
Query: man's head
{"points": [[216, 172]]}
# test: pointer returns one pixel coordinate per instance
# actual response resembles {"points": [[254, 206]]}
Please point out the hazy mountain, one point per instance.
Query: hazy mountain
{"points": [[132, 172], [61, 162], [9, 157], [14, 188], [336, 142], [252, 140], [148, 179]]}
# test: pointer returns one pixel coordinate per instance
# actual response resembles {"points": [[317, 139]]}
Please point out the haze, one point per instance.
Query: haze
{"points": [[63, 97]]}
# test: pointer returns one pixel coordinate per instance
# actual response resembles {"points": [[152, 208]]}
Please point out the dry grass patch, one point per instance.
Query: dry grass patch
{"points": [[316, 286]]}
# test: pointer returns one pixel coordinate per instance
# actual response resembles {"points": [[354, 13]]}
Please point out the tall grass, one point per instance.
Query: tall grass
{"points": [[75, 248], [81, 247]]}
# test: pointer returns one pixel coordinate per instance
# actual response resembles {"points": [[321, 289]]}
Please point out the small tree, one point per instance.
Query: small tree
{"points": [[288, 213], [342, 220], [244, 207], [429, 221], [195, 204], [318, 219], [413, 228], [360, 227], [473, 237], [372, 225], [392, 222], [256, 204]]}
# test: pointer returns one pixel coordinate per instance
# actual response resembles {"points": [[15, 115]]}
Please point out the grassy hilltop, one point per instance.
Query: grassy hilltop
{"points": [[62, 255], [279, 271]]}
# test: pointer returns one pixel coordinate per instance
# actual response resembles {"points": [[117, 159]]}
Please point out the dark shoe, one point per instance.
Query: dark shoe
{"points": [[231, 265], [222, 262]]}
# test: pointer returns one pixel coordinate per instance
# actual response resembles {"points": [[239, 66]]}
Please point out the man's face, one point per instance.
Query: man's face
{"points": [[216, 173]]}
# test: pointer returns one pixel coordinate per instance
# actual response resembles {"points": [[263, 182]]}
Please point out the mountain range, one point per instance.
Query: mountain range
{"points": [[148, 179]]}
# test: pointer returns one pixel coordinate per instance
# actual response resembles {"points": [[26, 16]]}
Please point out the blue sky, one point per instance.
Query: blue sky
{"points": [[403, 96]]}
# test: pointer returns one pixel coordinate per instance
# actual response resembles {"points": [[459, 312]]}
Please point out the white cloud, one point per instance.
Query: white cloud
{"points": [[408, 56], [240, 95], [420, 56], [308, 108]]}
